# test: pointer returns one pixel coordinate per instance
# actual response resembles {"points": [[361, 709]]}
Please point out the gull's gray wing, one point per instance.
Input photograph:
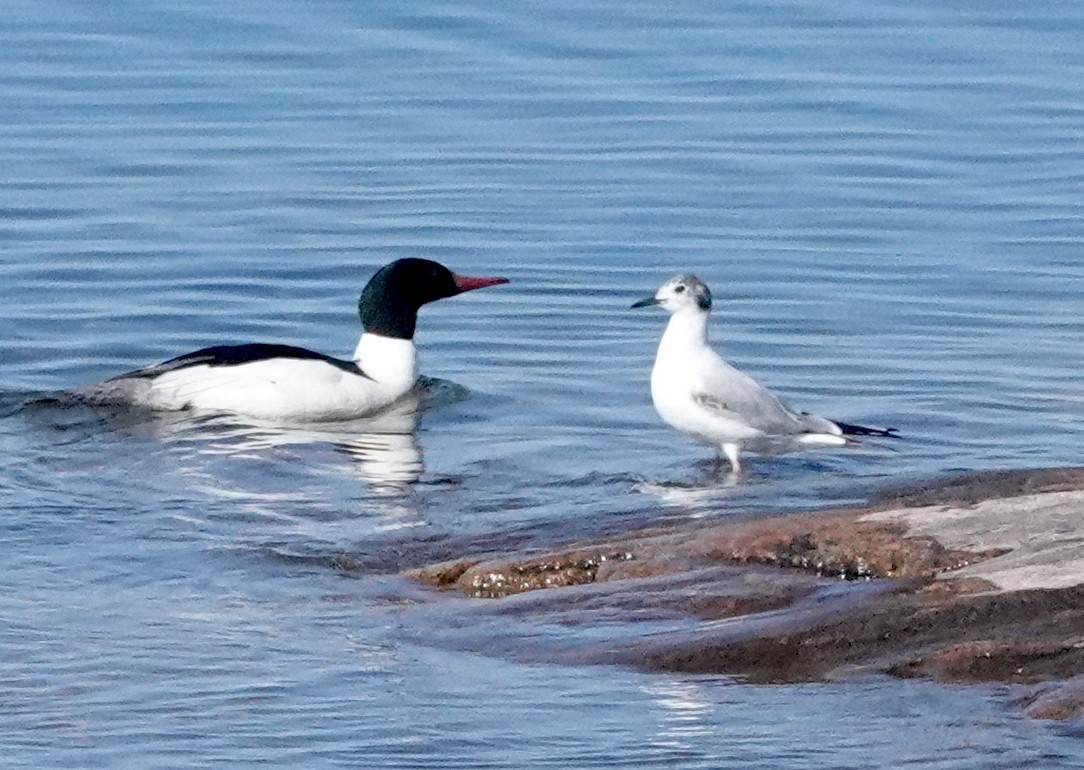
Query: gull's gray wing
{"points": [[734, 395]]}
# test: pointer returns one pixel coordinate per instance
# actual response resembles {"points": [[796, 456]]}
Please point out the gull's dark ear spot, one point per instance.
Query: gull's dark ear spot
{"points": [[703, 297]]}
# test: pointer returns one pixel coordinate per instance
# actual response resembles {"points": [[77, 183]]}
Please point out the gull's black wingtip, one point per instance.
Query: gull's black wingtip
{"points": [[862, 430]]}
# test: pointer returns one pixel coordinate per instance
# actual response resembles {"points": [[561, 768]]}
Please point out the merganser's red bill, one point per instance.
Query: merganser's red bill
{"points": [[468, 282]]}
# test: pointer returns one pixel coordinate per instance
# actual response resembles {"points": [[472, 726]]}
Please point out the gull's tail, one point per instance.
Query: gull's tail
{"points": [[862, 430]]}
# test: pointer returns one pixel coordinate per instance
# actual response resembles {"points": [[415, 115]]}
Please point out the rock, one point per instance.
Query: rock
{"points": [[974, 487], [1040, 536], [1062, 701], [975, 578], [1022, 636], [1014, 660], [835, 545]]}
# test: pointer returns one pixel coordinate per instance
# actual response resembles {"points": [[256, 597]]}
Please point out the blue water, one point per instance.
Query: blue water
{"points": [[884, 198]]}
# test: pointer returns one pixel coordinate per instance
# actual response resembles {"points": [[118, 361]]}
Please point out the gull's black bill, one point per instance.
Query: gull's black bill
{"points": [[645, 302]]}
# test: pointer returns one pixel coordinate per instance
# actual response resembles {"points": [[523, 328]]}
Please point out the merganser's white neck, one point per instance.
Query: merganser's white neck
{"points": [[390, 361]]}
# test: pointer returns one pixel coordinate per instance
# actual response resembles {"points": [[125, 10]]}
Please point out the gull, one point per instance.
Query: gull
{"points": [[697, 392]]}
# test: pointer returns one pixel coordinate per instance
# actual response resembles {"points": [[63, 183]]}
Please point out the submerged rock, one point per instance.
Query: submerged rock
{"points": [[1063, 700]]}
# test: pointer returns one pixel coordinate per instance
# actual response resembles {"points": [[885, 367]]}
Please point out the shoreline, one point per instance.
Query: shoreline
{"points": [[976, 577]]}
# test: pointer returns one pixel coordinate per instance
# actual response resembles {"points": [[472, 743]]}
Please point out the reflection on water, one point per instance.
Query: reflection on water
{"points": [[383, 453], [697, 498], [382, 450], [685, 712]]}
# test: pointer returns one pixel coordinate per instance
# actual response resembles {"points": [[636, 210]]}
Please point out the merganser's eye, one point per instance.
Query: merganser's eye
{"points": [[679, 288]]}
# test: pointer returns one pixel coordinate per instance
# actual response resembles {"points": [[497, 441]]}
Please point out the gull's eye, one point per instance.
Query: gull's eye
{"points": [[679, 288]]}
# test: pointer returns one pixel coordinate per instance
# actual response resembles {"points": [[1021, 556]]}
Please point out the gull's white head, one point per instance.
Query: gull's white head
{"points": [[682, 292]]}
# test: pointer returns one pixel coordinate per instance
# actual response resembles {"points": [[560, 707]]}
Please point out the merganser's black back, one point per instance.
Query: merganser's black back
{"points": [[247, 353]]}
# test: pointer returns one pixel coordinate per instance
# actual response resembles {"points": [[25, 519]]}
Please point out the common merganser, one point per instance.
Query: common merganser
{"points": [[284, 383], [703, 396]]}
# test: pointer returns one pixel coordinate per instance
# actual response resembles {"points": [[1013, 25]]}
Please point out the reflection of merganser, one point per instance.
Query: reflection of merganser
{"points": [[700, 394], [282, 382], [382, 449]]}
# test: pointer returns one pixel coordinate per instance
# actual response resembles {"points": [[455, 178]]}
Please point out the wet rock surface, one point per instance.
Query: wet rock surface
{"points": [[834, 544], [1061, 700], [909, 586]]}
